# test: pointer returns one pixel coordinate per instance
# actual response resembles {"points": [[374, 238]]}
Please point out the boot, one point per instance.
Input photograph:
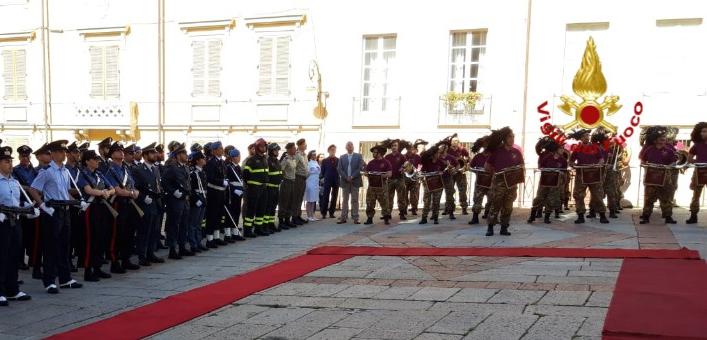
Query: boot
{"points": [[116, 268], [220, 242], [211, 244], [539, 213], [489, 231], [36, 273], [386, 220], [261, 232], [403, 218], [284, 224], [547, 218], [451, 216], [184, 252], [423, 220], [692, 219], [173, 254], [602, 218], [154, 259], [414, 212], [101, 274], [670, 220], [474, 219], [531, 218], [486, 214], [292, 224], [580, 219], [89, 276], [592, 214], [612, 213], [645, 219], [504, 230], [369, 221], [249, 233], [464, 212], [297, 221], [435, 220], [557, 213]]}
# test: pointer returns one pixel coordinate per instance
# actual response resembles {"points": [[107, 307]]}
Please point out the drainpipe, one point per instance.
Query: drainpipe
{"points": [[160, 70], [525, 81], [46, 71]]}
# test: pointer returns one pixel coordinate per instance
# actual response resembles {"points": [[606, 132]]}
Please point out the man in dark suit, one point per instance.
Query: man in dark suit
{"points": [[349, 169], [330, 177]]}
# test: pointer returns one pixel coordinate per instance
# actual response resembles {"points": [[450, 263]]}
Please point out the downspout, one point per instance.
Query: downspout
{"points": [[46, 71], [160, 70], [525, 81]]}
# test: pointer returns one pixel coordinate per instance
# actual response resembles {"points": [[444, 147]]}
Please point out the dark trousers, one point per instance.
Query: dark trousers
{"points": [[10, 245], [234, 207], [77, 235], [196, 216], [255, 209], [328, 198], [96, 224], [156, 232], [56, 238], [214, 210], [123, 238], [147, 233], [177, 222], [300, 186], [285, 198], [32, 240], [271, 199]]}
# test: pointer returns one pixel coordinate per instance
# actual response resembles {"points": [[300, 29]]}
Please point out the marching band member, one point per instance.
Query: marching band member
{"points": [[412, 186], [613, 177], [396, 183], [697, 154], [451, 168], [382, 168], [587, 154], [481, 190], [551, 163], [503, 158], [656, 151], [458, 151], [432, 165]]}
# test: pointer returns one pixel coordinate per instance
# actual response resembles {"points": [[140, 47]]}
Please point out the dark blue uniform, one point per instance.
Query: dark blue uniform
{"points": [[177, 186], [97, 220], [124, 226], [215, 195], [147, 181]]}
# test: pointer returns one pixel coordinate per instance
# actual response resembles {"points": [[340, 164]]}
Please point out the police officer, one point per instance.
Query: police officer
{"points": [[98, 217], [25, 174], [236, 190], [159, 242], [255, 175], [104, 153], [177, 186], [10, 232], [147, 181], [123, 241], [51, 191], [197, 203], [215, 195], [272, 188]]}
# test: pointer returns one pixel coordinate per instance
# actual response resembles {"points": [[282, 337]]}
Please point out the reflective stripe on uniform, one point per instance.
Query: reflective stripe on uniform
{"points": [[254, 183]]}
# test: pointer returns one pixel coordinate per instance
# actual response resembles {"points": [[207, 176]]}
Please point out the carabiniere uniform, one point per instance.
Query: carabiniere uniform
{"points": [[177, 185], [236, 190]]}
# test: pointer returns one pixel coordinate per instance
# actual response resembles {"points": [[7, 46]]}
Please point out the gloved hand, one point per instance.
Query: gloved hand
{"points": [[177, 194], [238, 192], [199, 204], [234, 183], [84, 205], [35, 215], [46, 209], [2, 217], [26, 204], [148, 200], [225, 182]]}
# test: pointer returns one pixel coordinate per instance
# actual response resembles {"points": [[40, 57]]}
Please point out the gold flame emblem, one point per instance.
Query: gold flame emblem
{"points": [[589, 84]]}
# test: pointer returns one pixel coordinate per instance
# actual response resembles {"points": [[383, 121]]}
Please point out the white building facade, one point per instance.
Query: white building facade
{"points": [[237, 70]]}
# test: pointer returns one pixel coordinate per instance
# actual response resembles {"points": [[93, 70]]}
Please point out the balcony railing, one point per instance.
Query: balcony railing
{"points": [[376, 112], [461, 115]]}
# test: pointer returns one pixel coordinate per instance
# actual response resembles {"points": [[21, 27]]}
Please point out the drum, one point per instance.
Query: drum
{"points": [[483, 179], [550, 179], [590, 175], [375, 181], [513, 177], [434, 183], [655, 176], [701, 175]]}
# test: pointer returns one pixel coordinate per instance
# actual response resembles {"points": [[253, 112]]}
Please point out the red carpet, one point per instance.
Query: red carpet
{"points": [[174, 310], [659, 299], [683, 253]]}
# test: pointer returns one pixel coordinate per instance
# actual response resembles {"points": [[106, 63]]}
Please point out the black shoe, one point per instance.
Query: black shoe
{"points": [[332, 216], [291, 223], [692, 219], [211, 244], [173, 255], [239, 238], [100, 273], [386, 220], [220, 242], [286, 226], [644, 220], [154, 259], [302, 220], [592, 214], [464, 212], [297, 221], [369, 221], [489, 231], [52, 289], [580, 219], [116, 268], [37, 273], [20, 296], [670, 220], [547, 218], [183, 252], [89, 276], [423, 220], [539, 213], [72, 284], [403, 218], [228, 239], [603, 219], [531, 218], [144, 263], [249, 233], [557, 213], [204, 248], [612, 214], [261, 232], [435, 220], [474, 218], [195, 250], [504, 230], [129, 265], [451, 216]]}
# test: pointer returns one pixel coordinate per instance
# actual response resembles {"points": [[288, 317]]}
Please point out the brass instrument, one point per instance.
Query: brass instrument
{"points": [[683, 160], [410, 171]]}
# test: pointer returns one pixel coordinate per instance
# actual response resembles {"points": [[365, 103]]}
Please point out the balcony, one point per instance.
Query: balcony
{"points": [[372, 112], [460, 114]]}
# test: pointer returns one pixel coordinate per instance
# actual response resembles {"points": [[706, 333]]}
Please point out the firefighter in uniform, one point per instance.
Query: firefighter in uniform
{"points": [[272, 188], [255, 174], [380, 165]]}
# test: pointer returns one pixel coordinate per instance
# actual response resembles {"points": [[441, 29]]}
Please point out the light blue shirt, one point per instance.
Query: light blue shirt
{"points": [[9, 191], [54, 182]]}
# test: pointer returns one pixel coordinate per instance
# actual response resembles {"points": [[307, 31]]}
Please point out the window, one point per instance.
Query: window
{"points": [[274, 66], [105, 77], [378, 60], [206, 68], [14, 74], [467, 50]]}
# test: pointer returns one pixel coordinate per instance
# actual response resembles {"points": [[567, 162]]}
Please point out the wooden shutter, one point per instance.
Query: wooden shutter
{"points": [[96, 71], [282, 68], [214, 68], [8, 74], [112, 73], [265, 85], [198, 68]]}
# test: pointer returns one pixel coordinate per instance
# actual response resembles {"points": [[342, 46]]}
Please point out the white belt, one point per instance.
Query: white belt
{"points": [[216, 187]]}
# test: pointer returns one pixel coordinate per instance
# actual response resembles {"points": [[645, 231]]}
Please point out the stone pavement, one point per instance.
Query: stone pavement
{"points": [[381, 297]]}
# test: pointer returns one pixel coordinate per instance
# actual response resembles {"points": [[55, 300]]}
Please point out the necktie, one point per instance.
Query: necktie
{"points": [[348, 167]]}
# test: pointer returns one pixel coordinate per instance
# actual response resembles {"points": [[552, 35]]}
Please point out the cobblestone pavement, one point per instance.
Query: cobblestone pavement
{"points": [[381, 297]]}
